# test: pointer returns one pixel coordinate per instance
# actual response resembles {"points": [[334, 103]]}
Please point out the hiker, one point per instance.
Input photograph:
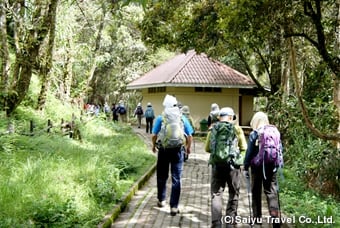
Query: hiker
{"points": [[107, 110], [121, 110], [186, 112], [226, 144], [149, 117], [139, 113], [213, 115], [269, 183], [170, 135], [114, 110]]}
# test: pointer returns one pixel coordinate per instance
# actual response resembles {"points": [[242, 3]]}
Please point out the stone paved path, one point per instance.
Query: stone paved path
{"points": [[194, 206]]}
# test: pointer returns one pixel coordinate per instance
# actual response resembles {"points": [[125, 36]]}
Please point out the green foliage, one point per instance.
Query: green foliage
{"points": [[295, 198], [52, 180], [313, 160]]}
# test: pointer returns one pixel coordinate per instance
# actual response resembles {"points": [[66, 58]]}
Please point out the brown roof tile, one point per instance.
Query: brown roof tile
{"points": [[192, 69]]}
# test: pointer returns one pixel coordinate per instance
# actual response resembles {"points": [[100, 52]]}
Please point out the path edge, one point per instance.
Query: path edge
{"points": [[112, 216]]}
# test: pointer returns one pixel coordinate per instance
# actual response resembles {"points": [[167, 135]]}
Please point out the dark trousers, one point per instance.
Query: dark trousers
{"points": [[220, 176], [115, 117], [173, 159], [149, 125], [269, 188], [139, 120]]}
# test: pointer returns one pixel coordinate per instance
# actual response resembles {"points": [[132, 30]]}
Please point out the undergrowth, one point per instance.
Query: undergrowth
{"points": [[52, 180]]}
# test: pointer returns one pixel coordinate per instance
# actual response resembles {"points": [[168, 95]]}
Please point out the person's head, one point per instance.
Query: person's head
{"points": [[139, 104], [169, 101], [149, 104], [185, 110], [259, 119], [227, 114], [214, 108], [214, 112]]}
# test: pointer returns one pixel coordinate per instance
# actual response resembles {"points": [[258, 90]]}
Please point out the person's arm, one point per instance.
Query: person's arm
{"points": [[153, 139], [207, 142], [188, 144], [156, 128], [252, 149], [209, 121], [188, 130], [242, 142]]}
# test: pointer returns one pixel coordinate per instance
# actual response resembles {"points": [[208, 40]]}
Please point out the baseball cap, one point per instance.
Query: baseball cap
{"points": [[226, 111]]}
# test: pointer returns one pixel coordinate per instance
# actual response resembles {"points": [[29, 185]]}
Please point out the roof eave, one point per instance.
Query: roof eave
{"points": [[144, 86]]}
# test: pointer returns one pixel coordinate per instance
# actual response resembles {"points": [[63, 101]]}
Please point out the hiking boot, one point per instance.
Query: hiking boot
{"points": [[174, 211], [161, 203]]}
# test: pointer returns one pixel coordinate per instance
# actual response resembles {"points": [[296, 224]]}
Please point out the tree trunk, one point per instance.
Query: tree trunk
{"points": [[337, 102], [24, 67], [45, 67], [92, 79], [28, 45], [336, 94], [4, 56]]}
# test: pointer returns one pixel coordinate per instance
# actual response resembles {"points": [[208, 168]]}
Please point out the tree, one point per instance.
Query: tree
{"points": [[257, 31], [27, 28]]}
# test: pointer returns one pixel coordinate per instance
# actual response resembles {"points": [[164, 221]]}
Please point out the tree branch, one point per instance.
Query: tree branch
{"points": [[310, 125], [243, 59], [304, 35], [256, 49]]}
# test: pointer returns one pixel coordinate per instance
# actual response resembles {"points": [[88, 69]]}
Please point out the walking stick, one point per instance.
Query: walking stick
{"points": [[249, 200], [277, 191]]}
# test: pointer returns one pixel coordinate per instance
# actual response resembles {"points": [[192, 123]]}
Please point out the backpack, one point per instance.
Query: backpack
{"points": [[172, 133], [122, 110], [149, 113], [224, 144], [270, 148], [139, 110]]}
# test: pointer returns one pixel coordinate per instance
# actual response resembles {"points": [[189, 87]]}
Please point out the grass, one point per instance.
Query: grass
{"points": [[52, 180], [306, 205]]}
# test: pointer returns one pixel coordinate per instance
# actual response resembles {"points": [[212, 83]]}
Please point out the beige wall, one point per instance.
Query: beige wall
{"points": [[200, 102], [247, 109]]}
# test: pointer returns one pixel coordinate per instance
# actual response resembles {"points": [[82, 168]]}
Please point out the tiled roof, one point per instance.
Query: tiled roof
{"points": [[192, 70]]}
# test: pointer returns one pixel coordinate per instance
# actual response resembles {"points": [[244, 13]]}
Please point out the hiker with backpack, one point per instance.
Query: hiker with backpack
{"points": [[186, 113], [149, 117], [226, 144], [114, 110], [171, 137], [213, 115], [139, 113], [121, 110], [264, 157]]}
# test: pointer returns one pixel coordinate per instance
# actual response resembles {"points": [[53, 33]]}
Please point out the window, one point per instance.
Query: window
{"points": [[157, 90], [208, 89]]}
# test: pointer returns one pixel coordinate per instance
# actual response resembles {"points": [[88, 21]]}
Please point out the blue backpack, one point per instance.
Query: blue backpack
{"points": [[149, 113], [122, 110]]}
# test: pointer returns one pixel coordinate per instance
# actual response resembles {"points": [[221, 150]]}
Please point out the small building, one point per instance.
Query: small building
{"points": [[198, 81]]}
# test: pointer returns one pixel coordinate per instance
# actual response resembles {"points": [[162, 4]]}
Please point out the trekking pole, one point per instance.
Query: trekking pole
{"points": [[277, 192], [249, 200]]}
